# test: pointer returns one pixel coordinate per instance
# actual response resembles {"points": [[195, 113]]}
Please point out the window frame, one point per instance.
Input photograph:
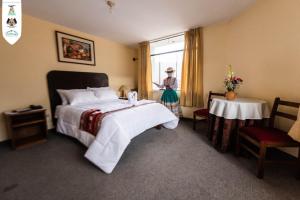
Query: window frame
{"points": [[167, 52]]}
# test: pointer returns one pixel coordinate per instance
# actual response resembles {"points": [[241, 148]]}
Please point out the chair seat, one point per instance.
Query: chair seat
{"points": [[266, 135], [202, 112]]}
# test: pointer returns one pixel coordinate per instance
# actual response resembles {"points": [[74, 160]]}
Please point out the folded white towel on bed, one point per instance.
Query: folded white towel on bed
{"points": [[132, 98]]}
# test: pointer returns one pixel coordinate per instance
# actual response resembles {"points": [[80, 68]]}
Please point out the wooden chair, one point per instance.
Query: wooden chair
{"points": [[204, 112], [267, 137]]}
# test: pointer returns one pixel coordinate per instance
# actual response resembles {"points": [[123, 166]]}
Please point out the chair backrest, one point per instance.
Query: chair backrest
{"points": [[275, 111], [211, 94]]}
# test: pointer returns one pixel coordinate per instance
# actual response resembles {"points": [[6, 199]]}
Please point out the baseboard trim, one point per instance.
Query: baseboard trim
{"points": [[5, 142], [186, 118], [8, 141], [52, 130]]}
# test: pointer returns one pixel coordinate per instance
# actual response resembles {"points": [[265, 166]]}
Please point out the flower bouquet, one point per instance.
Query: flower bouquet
{"points": [[231, 82]]}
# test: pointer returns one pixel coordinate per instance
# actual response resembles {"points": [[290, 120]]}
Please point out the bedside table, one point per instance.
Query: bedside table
{"points": [[26, 128]]}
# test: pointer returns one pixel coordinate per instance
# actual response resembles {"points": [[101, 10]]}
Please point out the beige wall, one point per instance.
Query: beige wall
{"points": [[263, 45], [23, 67]]}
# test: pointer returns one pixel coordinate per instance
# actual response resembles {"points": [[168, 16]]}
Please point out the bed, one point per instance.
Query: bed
{"points": [[117, 128]]}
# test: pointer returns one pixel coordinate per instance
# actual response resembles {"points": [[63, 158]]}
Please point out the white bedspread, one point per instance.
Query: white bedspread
{"points": [[117, 129]]}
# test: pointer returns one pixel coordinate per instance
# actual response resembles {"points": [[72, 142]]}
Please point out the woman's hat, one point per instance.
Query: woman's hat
{"points": [[169, 70]]}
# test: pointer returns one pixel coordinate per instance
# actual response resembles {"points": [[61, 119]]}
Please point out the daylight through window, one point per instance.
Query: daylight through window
{"points": [[167, 53]]}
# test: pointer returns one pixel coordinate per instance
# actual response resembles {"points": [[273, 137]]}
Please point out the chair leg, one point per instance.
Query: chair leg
{"points": [[261, 161], [194, 122], [208, 126], [238, 144], [298, 165]]}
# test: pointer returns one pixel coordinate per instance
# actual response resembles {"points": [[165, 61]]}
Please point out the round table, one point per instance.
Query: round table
{"points": [[230, 115]]}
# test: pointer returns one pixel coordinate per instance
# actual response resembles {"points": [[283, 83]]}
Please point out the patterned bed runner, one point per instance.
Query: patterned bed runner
{"points": [[90, 120]]}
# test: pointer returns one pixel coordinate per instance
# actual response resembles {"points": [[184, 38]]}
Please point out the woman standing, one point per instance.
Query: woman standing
{"points": [[169, 97]]}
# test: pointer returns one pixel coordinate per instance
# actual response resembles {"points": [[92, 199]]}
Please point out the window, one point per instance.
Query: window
{"points": [[166, 53]]}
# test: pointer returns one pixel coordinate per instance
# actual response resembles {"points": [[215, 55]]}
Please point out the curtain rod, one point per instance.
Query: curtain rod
{"points": [[166, 37], [157, 54]]}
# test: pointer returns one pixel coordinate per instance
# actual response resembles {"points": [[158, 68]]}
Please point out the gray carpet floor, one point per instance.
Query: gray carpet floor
{"points": [[159, 164]]}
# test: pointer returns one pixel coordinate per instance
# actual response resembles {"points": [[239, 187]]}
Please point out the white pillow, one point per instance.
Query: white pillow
{"points": [[82, 98], [63, 97], [63, 94], [104, 93]]}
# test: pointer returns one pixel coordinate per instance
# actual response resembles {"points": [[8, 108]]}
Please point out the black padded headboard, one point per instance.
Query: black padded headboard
{"points": [[71, 80]]}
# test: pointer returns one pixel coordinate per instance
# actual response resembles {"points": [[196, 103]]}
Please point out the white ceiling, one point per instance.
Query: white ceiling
{"points": [[133, 21]]}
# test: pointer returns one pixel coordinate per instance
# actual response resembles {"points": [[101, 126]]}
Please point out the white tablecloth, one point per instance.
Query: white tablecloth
{"points": [[240, 108]]}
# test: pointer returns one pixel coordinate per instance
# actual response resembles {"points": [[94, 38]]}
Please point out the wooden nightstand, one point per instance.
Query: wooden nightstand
{"points": [[26, 128]]}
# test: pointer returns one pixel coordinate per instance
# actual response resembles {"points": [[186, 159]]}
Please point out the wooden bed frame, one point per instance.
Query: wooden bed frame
{"points": [[71, 80]]}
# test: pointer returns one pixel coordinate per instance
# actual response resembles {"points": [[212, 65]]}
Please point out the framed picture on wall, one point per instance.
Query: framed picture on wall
{"points": [[73, 49]]}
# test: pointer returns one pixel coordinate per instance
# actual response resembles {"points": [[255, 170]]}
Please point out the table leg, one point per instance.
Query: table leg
{"points": [[215, 131], [227, 127], [228, 123], [250, 122], [211, 123], [241, 123]]}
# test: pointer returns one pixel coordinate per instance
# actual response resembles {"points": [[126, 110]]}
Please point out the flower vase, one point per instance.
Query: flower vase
{"points": [[230, 95]]}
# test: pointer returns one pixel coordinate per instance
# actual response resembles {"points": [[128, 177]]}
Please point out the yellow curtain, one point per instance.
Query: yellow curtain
{"points": [[145, 72], [191, 93]]}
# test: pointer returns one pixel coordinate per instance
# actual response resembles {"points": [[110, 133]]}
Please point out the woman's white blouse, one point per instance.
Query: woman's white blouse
{"points": [[171, 82]]}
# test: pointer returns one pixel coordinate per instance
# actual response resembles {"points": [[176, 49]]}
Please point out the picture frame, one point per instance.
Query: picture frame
{"points": [[74, 49]]}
